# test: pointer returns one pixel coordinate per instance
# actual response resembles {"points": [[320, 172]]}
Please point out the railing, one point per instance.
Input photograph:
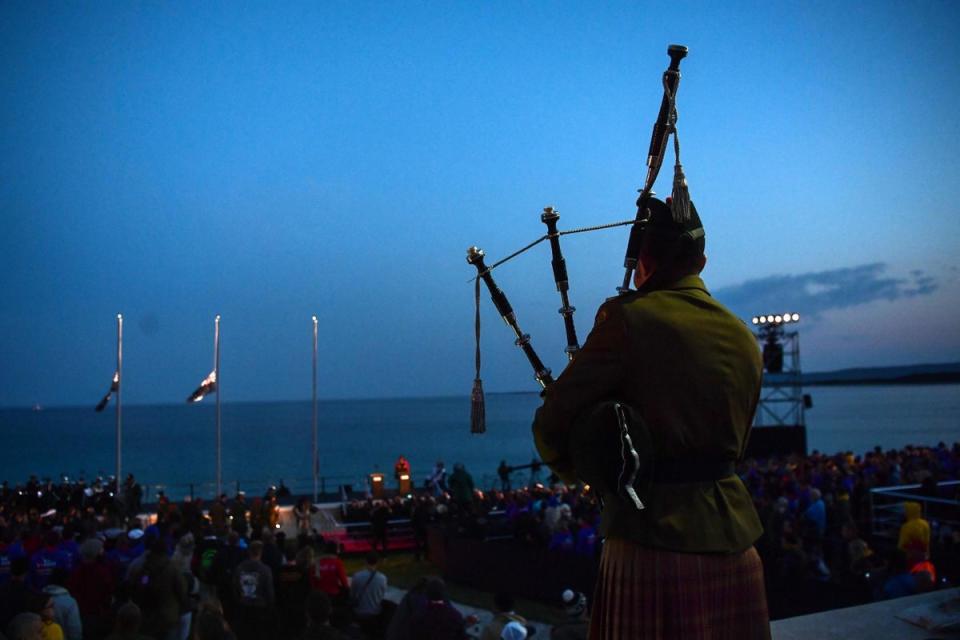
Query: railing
{"points": [[355, 485], [886, 508], [328, 485]]}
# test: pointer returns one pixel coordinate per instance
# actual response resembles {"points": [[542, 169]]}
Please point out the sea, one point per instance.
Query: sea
{"points": [[173, 446]]}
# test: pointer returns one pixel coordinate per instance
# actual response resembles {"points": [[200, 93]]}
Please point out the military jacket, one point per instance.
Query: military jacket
{"points": [[692, 370]]}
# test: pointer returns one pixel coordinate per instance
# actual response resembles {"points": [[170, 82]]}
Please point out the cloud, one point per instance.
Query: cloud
{"points": [[814, 293]]}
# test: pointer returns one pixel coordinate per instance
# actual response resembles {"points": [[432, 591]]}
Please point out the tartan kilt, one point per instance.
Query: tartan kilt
{"points": [[646, 593]]}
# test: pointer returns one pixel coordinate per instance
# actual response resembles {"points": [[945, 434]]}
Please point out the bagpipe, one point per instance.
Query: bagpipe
{"points": [[664, 127]]}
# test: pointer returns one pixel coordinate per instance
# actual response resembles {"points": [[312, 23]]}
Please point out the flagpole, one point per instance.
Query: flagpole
{"points": [[119, 406], [216, 370], [316, 453]]}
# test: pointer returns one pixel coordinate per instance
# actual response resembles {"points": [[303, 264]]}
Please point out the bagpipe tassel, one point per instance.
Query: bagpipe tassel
{"points": [[680, 201], [478, 410]]}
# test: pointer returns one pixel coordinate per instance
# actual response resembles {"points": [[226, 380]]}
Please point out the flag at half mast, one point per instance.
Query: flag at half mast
{"points": [[114, 387], [208, 386]]}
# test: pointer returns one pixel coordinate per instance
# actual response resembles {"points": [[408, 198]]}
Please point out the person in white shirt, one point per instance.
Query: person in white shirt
{"points": [[367, 589]]}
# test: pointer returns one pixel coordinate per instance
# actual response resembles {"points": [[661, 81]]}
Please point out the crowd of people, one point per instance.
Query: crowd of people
{"points": [[818, 521], [557, 517], [76, 564], [816, 511], [73, 565]]}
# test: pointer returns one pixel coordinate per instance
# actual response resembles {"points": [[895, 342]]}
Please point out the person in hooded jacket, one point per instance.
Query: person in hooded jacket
{"points": [[160, 591], [66, 613]]}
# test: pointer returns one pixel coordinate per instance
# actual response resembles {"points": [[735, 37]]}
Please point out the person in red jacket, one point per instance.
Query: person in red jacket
{"points": [[92, 584], [329, 576]]}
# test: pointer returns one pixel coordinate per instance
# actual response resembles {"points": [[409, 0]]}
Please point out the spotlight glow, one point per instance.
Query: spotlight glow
{"points": [[796, 317], [778, 319]]}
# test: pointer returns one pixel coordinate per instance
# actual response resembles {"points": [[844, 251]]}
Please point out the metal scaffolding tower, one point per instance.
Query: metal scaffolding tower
{"points": [[782, 401]]}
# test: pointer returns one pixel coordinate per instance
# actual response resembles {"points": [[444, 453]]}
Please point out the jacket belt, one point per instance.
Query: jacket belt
{"points": [[684, 471]]}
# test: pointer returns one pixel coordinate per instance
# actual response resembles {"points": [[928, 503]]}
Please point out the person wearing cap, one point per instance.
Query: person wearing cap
{"points": [[686, 373], [577, 624], [506, 623]]}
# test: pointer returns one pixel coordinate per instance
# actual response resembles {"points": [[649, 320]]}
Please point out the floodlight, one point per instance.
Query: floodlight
{"points": [[796, 317], [778, 318]]}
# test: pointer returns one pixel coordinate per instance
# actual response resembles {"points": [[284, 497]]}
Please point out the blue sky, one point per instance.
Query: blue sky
{"points": [[271, 161]]}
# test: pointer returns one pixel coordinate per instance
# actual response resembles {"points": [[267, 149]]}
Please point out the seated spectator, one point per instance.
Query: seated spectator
{"points": [[438, 619], [577, 625], [506, 624]]}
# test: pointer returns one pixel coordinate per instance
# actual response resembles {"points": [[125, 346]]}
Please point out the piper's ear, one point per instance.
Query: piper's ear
{"points": [[646, 267], [703, 263]]}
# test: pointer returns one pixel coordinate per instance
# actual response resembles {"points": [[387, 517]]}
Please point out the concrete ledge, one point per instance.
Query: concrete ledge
{"points": [[874, 621]]}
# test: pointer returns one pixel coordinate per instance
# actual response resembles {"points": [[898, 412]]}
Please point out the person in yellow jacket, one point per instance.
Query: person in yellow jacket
{"points": [[50, 629], [689, 373], [914, 542], [915, 531]]}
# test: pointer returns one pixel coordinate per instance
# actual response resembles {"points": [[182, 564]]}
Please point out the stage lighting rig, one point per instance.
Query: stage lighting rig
{"points": [[771, 334], [782, 401]]}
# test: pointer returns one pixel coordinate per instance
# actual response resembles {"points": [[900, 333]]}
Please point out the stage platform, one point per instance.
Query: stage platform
{"points": [[874, 621], [354, 537]]}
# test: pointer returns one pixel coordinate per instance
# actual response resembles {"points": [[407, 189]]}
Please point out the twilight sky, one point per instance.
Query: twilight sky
{"points": [[268, 162]]}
